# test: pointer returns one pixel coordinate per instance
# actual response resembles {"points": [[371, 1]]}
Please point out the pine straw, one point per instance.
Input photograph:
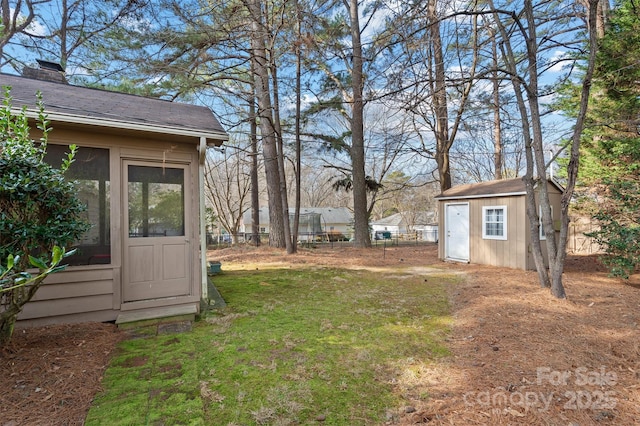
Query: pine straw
{"points": [[506, 330], [50, 375], [512, 340]]}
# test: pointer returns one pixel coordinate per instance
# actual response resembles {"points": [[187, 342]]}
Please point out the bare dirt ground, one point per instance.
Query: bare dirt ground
{"points": [[518, 356]]}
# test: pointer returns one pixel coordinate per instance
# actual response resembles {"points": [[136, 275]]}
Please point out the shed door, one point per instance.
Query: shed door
{"points": [[156, 245], [457, 232]]}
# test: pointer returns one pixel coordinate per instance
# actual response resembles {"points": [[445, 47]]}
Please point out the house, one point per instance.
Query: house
{"points": [[139, 168], [423, 225], [487, 223], [314, 221]]}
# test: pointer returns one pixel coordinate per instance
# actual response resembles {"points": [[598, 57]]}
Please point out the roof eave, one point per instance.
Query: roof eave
{"points": [[465, 197], [219, 137]]}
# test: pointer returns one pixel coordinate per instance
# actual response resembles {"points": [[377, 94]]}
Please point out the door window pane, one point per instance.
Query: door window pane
{"points": [[156, 201]]}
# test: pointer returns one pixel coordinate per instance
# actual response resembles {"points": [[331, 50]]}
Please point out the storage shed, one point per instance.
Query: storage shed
{"points": [[139, 168], [486, 223]]}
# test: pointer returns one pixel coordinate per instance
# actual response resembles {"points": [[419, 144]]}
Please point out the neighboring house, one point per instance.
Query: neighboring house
{"points": [[313, 221], [487, 223], [422, 224], [139, 168]]}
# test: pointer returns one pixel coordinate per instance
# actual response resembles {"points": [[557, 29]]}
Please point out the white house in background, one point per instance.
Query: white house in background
{"points": [[313, 221], [423, 224]]}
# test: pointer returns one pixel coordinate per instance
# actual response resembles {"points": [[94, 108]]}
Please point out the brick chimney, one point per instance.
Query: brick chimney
{"points": [[48, 71]]}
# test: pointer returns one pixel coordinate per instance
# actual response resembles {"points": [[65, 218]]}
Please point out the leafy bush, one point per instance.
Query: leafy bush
{"points": [[39, 209], [619, 234]]}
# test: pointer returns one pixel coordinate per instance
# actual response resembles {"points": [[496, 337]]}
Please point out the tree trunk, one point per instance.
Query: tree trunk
{"points": [[14, 301], [557, 265], [283, 177], [298, 125], [537, 141], [255, 193], [530, 184], [439, 99], [362, 238], [265, 115], [497, 131], [7, 322]]}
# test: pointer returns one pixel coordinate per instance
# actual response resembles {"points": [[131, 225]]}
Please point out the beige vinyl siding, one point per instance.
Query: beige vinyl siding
{"points": [[93, 292], [75, 294], [521, 222], [555, 197], [494, 251]]}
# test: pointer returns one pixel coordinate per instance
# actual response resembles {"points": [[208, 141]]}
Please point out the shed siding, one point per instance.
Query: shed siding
{"points": [[555, 197], [519, 258], [496, 252]]}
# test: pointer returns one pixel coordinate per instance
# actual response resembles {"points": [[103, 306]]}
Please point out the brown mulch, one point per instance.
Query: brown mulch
{"points": [[49, 375], [518, 356]]}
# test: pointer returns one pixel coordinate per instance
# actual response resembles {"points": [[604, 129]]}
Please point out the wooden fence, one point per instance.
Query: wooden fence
{"points": [[578, 242]]}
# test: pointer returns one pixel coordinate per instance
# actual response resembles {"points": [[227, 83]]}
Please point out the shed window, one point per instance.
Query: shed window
{"points": [[494, 222], [90, 171]]}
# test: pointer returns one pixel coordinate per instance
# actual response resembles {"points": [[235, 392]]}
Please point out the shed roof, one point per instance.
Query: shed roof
{"points": [[82, 105], [494, 188]]}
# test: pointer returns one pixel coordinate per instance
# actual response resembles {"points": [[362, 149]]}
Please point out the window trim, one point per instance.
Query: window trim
{"points": [[502, 237]]}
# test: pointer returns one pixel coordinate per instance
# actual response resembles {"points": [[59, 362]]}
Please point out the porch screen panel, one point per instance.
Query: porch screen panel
{"points": [[156, 202], [90, 172]]}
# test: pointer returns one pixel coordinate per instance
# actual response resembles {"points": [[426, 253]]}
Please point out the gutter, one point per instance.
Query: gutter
{"points": [[217, 137]]}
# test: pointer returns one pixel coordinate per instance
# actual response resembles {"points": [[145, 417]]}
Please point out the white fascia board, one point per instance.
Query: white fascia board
{"points": [[469, 197], [128, 125]]}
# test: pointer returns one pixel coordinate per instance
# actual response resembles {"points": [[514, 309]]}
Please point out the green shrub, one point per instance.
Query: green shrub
{"points": [[39, 209]]}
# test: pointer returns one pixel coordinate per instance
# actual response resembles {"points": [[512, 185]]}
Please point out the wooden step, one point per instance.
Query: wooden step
{"points": [[156, 316]]}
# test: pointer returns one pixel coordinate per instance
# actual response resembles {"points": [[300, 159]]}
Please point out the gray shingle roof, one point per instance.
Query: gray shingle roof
{"points": [[505, 187], [75, 104]]}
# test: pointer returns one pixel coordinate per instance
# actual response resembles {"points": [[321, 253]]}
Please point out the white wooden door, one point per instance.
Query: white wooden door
{"points": [[457, 232], [156, 223]]}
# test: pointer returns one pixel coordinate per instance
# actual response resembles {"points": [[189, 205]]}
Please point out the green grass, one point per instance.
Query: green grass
{"points": [[293, 346]]}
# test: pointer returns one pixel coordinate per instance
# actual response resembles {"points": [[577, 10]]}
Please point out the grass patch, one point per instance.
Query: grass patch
{"points": [[294, 346]]}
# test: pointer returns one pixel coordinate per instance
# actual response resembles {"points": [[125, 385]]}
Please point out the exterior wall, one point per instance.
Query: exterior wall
{"points": [[440, 210], [337, 227], [510, 252], [429, 232], [394, 229], [515, 251], [555, 198], [94, 292]]}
